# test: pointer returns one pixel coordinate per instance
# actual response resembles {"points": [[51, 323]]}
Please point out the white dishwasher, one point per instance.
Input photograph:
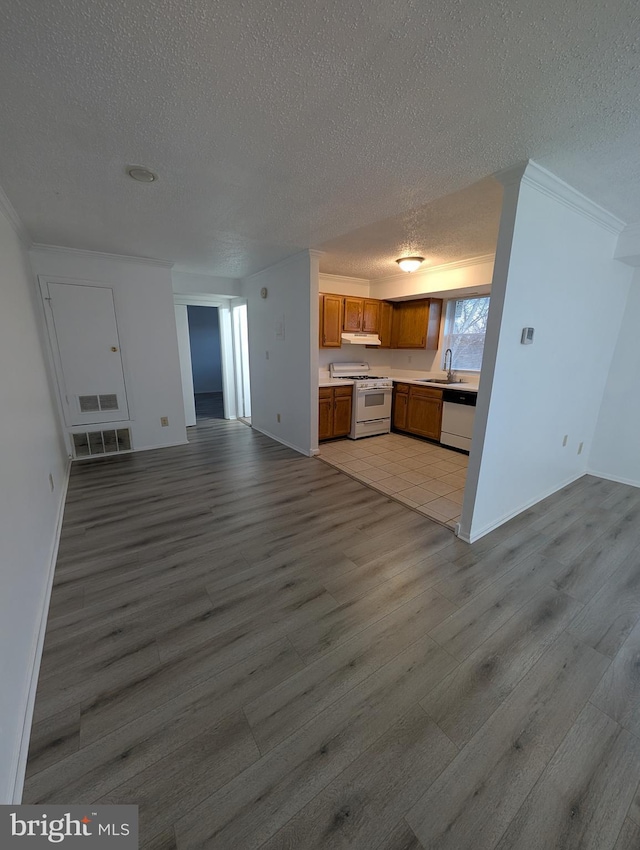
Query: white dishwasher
{"points": [[458, 411]]}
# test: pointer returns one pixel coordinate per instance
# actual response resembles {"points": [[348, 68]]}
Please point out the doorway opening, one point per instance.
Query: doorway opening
{"points": [[241, 361], [201, 344], [206, 361]]}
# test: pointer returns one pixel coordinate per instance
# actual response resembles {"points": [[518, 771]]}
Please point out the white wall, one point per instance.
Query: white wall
{"points": [[340, 285], [186, 371], [31, 448], [281, 383], [147, 328], [465, 275], [615, 452], [376, 357], [558, 275], [188, 283]]}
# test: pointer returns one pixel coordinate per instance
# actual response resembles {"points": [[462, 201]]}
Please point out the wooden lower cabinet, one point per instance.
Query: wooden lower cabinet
{"points": [[334, 412], [400, 406], [417, 410]]}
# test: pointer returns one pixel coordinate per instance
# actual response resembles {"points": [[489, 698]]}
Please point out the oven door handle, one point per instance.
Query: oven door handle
{"points": [[371, 391]]}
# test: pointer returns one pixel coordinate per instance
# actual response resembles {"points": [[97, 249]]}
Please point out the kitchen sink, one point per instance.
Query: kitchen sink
{"points": [[439, 381]]}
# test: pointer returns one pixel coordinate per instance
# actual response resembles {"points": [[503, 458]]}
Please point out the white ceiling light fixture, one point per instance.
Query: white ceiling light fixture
{"points": [[141, 174], [410, 264]]}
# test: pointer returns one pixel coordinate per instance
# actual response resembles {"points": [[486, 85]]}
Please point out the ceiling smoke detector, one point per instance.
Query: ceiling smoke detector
{"points": [[410, 264], [141, 174]]}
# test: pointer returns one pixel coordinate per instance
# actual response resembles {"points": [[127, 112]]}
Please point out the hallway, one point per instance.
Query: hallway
{"points": [[209, 406], [260, 651]]}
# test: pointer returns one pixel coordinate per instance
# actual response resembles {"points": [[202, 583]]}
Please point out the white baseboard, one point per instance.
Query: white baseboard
{"points": [[22, 749], [305, 452], [472, 536], [617, 478]]}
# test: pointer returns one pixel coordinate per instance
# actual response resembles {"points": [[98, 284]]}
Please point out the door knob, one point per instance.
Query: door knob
{"points": [[114, 348]]}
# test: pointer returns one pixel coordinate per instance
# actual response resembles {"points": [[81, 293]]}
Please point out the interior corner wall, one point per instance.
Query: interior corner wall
{"points": [[145, 314], [280, 351], [31, 449], [561, 280], [615, 452]]}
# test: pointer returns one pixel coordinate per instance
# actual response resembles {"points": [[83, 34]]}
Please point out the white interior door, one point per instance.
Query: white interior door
{"points": [[84, 336]]}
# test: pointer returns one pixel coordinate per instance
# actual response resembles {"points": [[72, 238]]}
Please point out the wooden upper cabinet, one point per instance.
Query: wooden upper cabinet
{"points": [[330, 321], [361, 315], [371, 316], [401, 324], [416, 324], [353, 314], [384, 325]]}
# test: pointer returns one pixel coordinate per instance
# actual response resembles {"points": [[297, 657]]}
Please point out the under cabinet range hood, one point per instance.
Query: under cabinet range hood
{"points": [[361, 339]]}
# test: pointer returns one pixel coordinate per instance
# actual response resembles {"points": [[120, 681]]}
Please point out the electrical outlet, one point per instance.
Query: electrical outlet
{"points": [[409, 359], [580, 448], [278, 417], [267, 355], [566, 437], [164, 421], [51, 484]]}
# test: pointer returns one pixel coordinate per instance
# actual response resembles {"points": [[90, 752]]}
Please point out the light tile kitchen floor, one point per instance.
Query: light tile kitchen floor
{"points": [[426, 477]]}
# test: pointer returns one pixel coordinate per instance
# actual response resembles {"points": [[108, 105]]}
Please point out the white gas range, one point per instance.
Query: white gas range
{"points": [[371, 408]]}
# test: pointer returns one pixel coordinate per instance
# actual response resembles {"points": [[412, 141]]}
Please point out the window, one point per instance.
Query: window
{"points": [[464, 329]]}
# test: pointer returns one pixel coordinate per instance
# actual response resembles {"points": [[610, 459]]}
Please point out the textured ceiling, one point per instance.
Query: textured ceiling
{"points": [[277, 125], [458, 226]]}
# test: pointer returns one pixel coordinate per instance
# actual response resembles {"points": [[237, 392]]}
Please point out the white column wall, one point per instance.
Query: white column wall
{"points": [[615, 453], [556, 274], [31, 449], [280, 351]]}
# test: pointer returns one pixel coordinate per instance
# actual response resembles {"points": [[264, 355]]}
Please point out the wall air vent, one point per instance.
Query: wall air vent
{"points": [[94, 443], [108, 402], [89, 403], [94, 403]]}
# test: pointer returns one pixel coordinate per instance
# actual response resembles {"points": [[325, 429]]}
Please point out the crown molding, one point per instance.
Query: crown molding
{"points": [[548, 184], [628, 247], [443, 267], [82, 252], [509, 176], [14, 219], [345, 278]]}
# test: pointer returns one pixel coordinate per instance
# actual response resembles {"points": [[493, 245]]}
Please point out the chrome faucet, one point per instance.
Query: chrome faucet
{"points": [[450, 373]]}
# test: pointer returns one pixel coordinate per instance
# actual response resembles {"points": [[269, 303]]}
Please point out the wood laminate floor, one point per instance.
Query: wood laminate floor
{"points": [[261, 652], [209, 406]]}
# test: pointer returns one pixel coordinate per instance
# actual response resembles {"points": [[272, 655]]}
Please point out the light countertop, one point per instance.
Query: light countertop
{"points": [[464, 385], [403, 379]]}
